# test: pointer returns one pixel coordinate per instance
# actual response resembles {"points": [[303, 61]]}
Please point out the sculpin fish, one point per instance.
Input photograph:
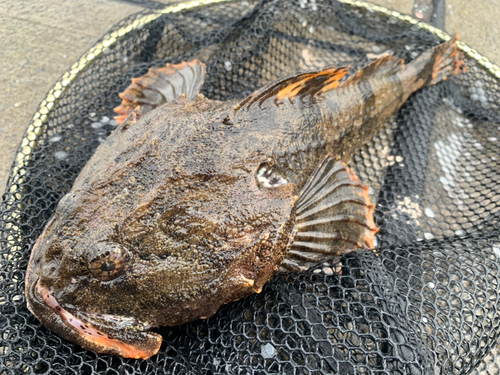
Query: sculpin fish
{"points": [[193, 203]]}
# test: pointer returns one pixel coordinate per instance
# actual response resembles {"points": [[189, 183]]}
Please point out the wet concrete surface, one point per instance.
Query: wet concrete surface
{"points": [[41, 39], [476, 21]]}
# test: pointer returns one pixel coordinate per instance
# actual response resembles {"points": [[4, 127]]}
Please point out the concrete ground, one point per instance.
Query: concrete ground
{"points": [[41, 39]]}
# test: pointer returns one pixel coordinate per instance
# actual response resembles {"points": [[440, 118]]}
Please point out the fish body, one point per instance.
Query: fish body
{"points": [[193, 203]]}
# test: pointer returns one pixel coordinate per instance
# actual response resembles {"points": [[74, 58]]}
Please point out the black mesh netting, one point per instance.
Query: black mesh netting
{"points": [[426, 303]]}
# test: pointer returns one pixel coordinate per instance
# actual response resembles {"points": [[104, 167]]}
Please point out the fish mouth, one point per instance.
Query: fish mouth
{"points": [[94, 332]]}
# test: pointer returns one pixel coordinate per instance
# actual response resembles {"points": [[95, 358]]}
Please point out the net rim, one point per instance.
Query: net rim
{"points": [[29, 142]]}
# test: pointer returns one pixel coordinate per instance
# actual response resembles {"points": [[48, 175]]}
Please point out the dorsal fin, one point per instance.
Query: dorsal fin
{"points": [[320, 82], [161, 85], [334, 216], [386, 65], [312, 83]]}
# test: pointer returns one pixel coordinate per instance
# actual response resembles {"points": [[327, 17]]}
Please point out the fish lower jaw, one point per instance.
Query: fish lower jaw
{"points": [[145, 345]]}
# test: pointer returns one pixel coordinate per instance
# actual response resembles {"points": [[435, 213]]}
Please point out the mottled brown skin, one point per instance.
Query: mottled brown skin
{"points": [[177, 192]]}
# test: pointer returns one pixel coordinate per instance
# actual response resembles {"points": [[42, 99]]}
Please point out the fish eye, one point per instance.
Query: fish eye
{"points": [[108, 261], [268, 177]]}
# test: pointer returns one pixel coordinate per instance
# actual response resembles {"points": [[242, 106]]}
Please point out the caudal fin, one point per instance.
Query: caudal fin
{"points": [[433, 66], [448, 61]]}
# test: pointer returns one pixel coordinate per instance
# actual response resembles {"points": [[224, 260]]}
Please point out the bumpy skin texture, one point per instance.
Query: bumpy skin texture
{"points": [[175, 195]]}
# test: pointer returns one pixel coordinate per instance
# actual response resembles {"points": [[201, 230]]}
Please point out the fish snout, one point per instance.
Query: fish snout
{"points": [[93, 334], [102, 334]]}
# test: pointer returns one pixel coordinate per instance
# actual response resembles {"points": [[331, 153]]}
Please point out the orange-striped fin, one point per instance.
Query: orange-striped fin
{"points": [[161, 85], [310, 84], [334, 217], [448, 61]]}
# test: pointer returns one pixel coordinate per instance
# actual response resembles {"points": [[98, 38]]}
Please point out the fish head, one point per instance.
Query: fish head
{"points": [[110, 266], [70, 275]]}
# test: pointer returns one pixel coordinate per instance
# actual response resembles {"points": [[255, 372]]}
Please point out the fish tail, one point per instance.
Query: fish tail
{"points": [[448, 61], [433, 66]]}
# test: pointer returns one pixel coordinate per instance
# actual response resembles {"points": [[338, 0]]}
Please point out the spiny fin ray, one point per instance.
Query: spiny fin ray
{"points": [[303, 84], [334, 217], [161, 85]]}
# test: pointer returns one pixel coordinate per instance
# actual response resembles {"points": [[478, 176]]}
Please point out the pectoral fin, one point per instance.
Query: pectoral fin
{"points": [[334, 217], [161, 85]]}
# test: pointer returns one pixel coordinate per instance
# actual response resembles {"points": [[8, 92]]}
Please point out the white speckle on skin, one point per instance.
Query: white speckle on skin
{"points": [[228, 65], [399, 159], [92, 114], [492, 139], [428, 212], [267, 351], [105, 120], [61, 155], [376, 49], [55, 138], [317, 271], [96, 125], [311, 29], [459, 232], [496, 250], [424, 319], [70, 126], [431, 285], [216, 361], [327, 271], [428, 236]]}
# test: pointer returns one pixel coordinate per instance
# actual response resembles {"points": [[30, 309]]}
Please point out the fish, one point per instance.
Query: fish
{"points": [[193, 203]]}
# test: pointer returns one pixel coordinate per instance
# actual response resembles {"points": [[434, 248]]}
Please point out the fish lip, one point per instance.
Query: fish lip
{"points": [[128, 343]]}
